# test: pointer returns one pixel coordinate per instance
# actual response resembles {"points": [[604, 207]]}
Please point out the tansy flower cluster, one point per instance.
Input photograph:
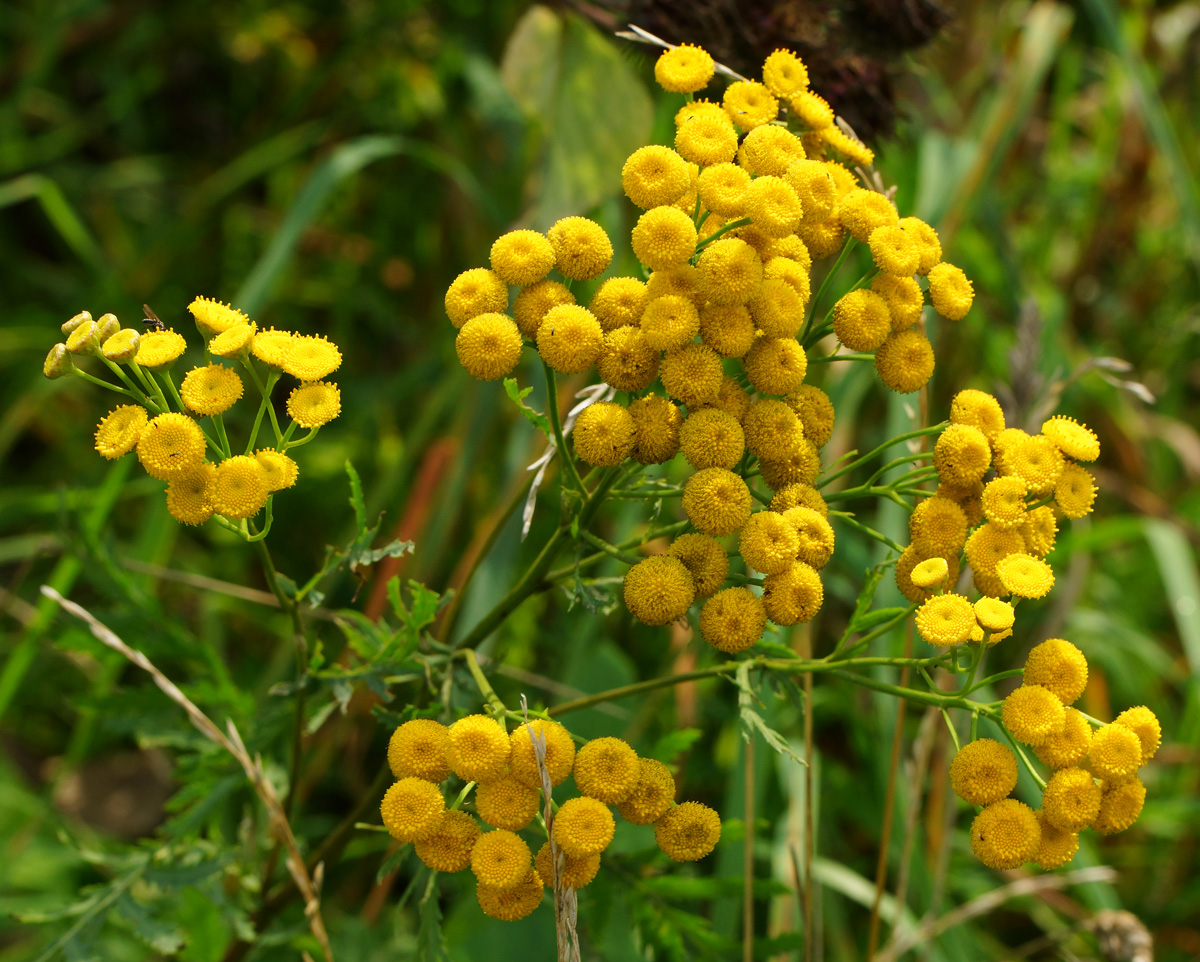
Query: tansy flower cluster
{"points": [[1094, 782], [178, 432], [706, 350], [508, 781]]}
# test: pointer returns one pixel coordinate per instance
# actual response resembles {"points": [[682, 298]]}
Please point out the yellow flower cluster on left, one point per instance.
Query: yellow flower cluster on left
{"points": [[509, 781], [165, 424]]}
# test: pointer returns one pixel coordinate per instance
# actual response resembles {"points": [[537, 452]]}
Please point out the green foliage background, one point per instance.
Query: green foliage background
{"points": [[330, 168]]}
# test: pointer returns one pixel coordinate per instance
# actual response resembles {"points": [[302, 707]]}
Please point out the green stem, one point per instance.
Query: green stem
{"points": [[485, 687], [116, 369], [590, 560], [610, 550], [952, 730], [868, 638], [857, 462], [995, 717], [147, 378], [732, 225], [139, 397], [898, 462], [835, 356], [556, 423], [219, 422], [264, 391], [869, 532], [829, 275]]}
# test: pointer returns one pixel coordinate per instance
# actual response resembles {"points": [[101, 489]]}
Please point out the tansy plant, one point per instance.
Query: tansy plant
{"points": [[709, 362]]}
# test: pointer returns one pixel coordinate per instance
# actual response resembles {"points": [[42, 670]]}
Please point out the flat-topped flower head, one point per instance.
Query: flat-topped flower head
{"points": [[118, 431], [618, 302], [656, 424], [793, 596], [814, 533], [712, 438], [802, 467], [530, 306], [270, 346], [1004, 501], [233, 343], [812, 110], [785, 74], [122, 347], [213, 317], [1033, 714], [522, 257], [708, 140], [1115, 751], [655, 175], [733, 620], [157, 349], [863, 211], [861, 320], [894, 250], [418, 749], [1071, 799], [905, 361], [950, 291], [606, 769], [770, 150], [799, 495], [705, 559], [1077, 441], [448, 847], [604, 434], [478, 748], [506, 802], [1056, 848], [722, 188], [583, 826], [1121, 802], [730, 271], [1075, 491], [1059, 666], [570, 339], [684, 69], [501, 859], [581, 248], [1069, 747], [511, 903], [279, 471], [946, 620], [315, 404], [772, 429], [688, 832], [978, 410], [775, 365], [749, 104], [931, 573], [652, 795], [1025, 576], [669, 322], [190, 494], [311, 357], [994, 616], [1036, 459], [853, 149], [983, 772], [682, 280], [927, 242], [169, 445], [904, 299], [727, 328], [692, 374], [815, 410], [473, 292], [241, 488], [1143, 723], [658, 590], [664, 237], [773, 206], [777, 308], [962, 454], [559, 757], [1005, 834], [626, 360], [716, 501], [769, 542], [212, 389], [412, 809]]}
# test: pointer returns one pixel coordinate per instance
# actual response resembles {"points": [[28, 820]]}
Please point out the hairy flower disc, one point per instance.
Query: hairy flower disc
{"points": [[581, 248], [903, 297], [815, 410], [772, 206], [930, 573], [1114, 752], [412, 809], [978, 409], [712, 438], [270, 346], [118, 431], [684, 69], [749, 104], [478, 748], [1121, 802], [812, 109], [656, 423], [946, 620], [626, 361], [1069, 747], [583, 826], [1075, 440], [570, 339], [234, 343], [664, 237], [816, 540], [1025, 576], [279, 471], [688, 832], [190, 494], [1004, 501], [170, 444], [927, 241], [576, 872], [1036, 459], [159, 348], [1075, 491], [708, 140], [775, 365], [315, 404], [793, 596], [769, 542], [122, 347], [705, 559], [511, 903], [1071, 799], [501, 859], [822, 238], [692, 374], [730, 271], [795, 273], [961, 454], [905, 361], [604, 434], [241, 488], [802, 467], [770, 150], [950, 291], [212, 389], [773, 431], [716, 501], [618, 302], [815, 188], [417, 749], [938, 525], [310, 358], [448, 847], [1005, 834], [652, 795], [1056, 848], [1032, 714], [669, 322], [994, 616], [785, 74], [777, 309], [988, 545], [722, 188], [733, 619], [863, 211], [853, 149], [559, 758], [655, 175], [506, 803], [895, 251], [731, 398], [1143, 723], [912, 556], [727, 329], [213, 317], [682, 281], [522, 257], [861, 320], [983, 772], [799, 494], [659, 589], [606, 769], [474, 292]]}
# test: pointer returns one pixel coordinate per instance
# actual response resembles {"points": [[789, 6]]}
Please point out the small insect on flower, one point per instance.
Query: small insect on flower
{"points": [[151, 321]]}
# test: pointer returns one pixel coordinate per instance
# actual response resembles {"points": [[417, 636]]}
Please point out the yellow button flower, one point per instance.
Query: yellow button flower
{"points": [[1056, 848], [310, 358], [983, 772], [1075, 440], [606, 769], [1115, 752], [770, 150], [716, 501], [581, 248], [576, 872], [604, 433], [559, 757], [862, 211], [707, 140], [772, 206], [793, 596], [749, 104], [270, 346], [664, 237], [692, 374], [930, 573], [1005, 834], [626, 361], [905, 361], [583, 826], [912, 556], [418, 749], [511, 903], [722, 188], [213, 317], [652, 795], [315, 404], [812, 110], [961, 454], [927, 241], [478, 748], [946, 620], [733, 619], [1121, 802], [775, 365], [474, 292], [157, 349], [950, 291], [506, 803], [705, 559], [448, 847], [799, 495], [785, 74], [903, 297], [894, 250], [570, 339], [279, 471], [1071, 799], [122, 347], [1075, 491], [669, 322], [618, 302], [803, 467], [658, 590], [412, 809], [212, 389], [994, 616], [730, 271], [241, 488], [815, 534], [769, 542], [712, 438], [190, 494], [688, 832], [727, 328], [861, 320], [1024, 575], [1058, 666], [655, 175], [501, 859], [656, 424], [118, 431], [815, 410], [233, 343], [684, 69], [1143, 723], [1067, 748], [522, 257], [777, 309], [1032, 714], [169, 445]]}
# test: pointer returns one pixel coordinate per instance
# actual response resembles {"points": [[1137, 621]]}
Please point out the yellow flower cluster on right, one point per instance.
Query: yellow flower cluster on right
{"points": [[173, 445], [1094, 782], [509, 783]]}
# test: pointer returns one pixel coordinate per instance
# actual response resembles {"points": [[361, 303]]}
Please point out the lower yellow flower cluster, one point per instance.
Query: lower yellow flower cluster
{"points": [[508, 786], [1094, 782], [172, 445]]}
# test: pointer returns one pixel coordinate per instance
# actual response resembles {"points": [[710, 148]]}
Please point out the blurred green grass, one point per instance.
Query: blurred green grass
{"points": [[331, 169]]}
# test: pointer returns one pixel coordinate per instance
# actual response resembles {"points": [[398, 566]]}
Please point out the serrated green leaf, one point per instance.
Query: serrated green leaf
{"points": [[753, 722], [177, 875], [356, 498], [675, 743], [872, 619], [517, 396], [392, 863], [431, 942], [162, 936]]}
